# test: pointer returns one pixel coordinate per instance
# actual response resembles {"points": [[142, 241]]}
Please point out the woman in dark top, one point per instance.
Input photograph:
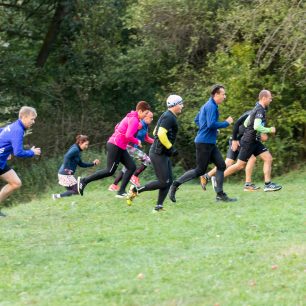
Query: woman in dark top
{"points": [[72, 159]]}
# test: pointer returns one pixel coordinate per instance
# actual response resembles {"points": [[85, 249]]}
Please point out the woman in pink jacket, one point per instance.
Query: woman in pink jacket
{"points": [[116, 149]]}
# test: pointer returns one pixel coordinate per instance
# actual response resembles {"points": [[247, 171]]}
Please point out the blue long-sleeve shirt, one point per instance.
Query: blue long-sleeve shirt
{"points": [[11, 142], [141, 134], [72, 159], [207, 121]]}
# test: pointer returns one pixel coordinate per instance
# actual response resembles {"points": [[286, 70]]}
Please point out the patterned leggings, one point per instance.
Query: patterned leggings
{"points": [[139, 155]]}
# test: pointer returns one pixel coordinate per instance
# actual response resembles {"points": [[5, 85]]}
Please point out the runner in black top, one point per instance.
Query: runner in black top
{"points": [[250, 145], [160, 151]]}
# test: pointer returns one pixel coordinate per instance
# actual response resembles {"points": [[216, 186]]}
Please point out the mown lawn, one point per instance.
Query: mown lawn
{"points": [[95, 250]]}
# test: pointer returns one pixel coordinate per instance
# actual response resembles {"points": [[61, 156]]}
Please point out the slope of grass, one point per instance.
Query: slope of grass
{"points": [[95, 250]]}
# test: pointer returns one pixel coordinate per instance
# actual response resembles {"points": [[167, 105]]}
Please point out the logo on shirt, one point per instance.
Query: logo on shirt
{"points": [[1, 150]]}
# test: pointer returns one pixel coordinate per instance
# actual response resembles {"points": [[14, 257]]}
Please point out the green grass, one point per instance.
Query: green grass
{"points": [[94, 250]]}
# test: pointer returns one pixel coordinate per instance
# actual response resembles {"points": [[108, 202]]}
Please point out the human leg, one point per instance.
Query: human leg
{"points": [[239, 165], [249, 169], [249, 186], [130, 166], [71, 190], [203, 153], [113, 157], [13, 183], [267, 165], [119, 177], [231, 156], [217, 159], [245, 153], [163, 171], [145, 161], [139, 170], [204, 179]]}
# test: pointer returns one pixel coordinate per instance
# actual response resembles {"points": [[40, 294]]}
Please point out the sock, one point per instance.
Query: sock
{"points": [[267, 183]]}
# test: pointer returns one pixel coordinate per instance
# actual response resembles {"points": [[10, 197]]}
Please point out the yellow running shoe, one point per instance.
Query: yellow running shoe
{"points": [[132, 194]]}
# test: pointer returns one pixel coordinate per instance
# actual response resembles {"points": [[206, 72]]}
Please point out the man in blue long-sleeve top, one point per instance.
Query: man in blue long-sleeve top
{"points": [[205, 142], [11, 143]]}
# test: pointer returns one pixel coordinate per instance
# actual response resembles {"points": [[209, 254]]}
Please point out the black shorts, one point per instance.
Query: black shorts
{"points": [[230, 153], [249, 149], [5, 169]]}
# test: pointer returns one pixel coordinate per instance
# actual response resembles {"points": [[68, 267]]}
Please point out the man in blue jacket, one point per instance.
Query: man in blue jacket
{"points": [[11, 143], [205, 142]]}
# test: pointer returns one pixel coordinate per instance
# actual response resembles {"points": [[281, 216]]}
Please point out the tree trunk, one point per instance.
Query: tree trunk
{"points": [[53, 31]]}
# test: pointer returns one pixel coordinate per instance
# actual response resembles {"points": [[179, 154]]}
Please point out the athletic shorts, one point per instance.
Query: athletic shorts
{"points": [[249, 149], [5, 169], [230, 153]]}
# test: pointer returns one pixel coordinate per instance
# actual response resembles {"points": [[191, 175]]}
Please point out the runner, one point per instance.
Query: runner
{"points": [[72, 159], [11, 143], [250, 145], [205, 142], [136, 153], [160, 152], [232, 154], [116, 149]]}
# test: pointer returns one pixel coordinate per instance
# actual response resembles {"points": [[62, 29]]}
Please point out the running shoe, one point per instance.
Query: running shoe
{"points": [[54, 197], [113, 187], [158, 208], [135, 180], [223, 197], [132, 194], [81, 186], [121, 195], [251, 187], [172, 191], [204, 179], [272, 187]]}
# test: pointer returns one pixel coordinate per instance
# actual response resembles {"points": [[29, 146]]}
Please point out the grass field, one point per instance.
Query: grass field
{"points": [[95, 250]]}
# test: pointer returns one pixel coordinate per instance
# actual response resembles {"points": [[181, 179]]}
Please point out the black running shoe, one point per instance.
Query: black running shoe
{"points": [[159, 208], [81, 186], [2, 215], [172, 192], [223, 197]]}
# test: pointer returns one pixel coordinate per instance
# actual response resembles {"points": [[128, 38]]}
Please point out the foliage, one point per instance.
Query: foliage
{"points": [[84, 64]]}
